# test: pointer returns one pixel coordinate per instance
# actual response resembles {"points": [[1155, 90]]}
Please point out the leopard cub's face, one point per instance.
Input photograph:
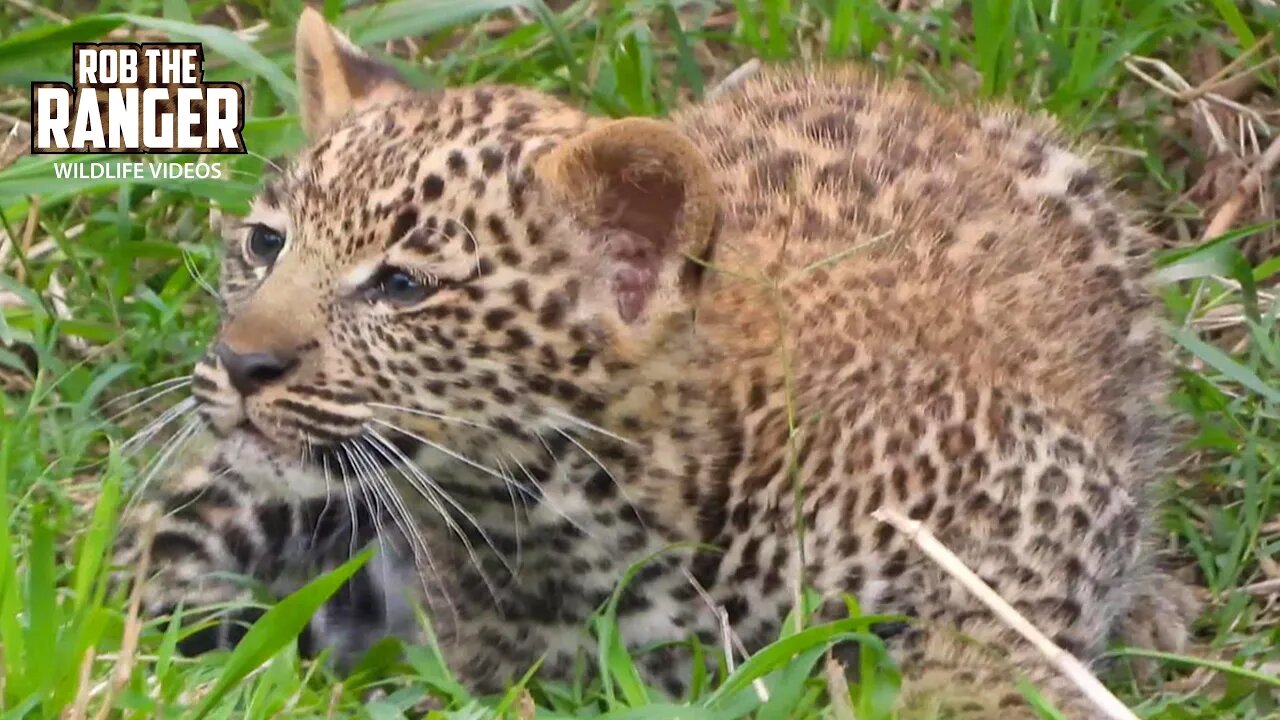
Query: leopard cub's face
{"points": [[399, 270], [457, 269]]}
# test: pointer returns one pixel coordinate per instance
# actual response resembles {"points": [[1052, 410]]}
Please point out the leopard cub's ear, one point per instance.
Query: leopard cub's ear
{"points": [[647, 198], [335, 77]]}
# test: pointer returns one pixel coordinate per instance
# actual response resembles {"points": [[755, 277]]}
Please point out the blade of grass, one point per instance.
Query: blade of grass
{"points": [[41, 605], [779, 652], [277, 627], [1224, 364], [229, 45], [1227, 668], [388, 21]]}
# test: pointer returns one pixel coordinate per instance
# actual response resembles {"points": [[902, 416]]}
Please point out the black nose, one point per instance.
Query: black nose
{"points": [[250, 372]]}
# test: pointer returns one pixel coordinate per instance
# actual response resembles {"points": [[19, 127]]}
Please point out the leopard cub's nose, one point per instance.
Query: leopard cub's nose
{"points": [[252, 371]]}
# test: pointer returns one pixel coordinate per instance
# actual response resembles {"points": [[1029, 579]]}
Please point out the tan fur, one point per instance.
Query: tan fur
{"points": [[748, 327], [965, 256]]}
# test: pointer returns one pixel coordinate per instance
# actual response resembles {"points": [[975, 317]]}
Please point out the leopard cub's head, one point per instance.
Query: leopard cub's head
{"points": [[462, 267]]}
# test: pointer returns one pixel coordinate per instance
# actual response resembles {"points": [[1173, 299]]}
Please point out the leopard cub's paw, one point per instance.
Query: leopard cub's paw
{"points": [[169, 568], [1159, 618], [215, 613]]}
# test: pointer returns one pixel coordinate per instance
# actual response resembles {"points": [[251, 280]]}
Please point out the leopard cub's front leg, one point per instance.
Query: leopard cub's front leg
{"points": [[190, 546], [212, 545]]}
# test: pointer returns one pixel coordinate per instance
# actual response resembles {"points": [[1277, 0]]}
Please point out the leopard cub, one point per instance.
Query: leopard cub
{"points": [[518, 349]]}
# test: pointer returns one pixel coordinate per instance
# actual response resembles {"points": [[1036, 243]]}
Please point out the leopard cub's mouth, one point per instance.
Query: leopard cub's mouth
{"points": [[316, 428], [359, 443], [360, 448], [287, 420], [386, 450]]}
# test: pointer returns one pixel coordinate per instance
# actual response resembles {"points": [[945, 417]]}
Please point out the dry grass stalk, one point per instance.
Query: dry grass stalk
{"points": [[80, 707], [1263, 588], [837, 689], [1227, 74], [1065, 662], [28, 235], [335, 702], [132, 629], [525, 708], [735, 78], [236, 19], [1250, 184], [729, 638], [16, 141]]}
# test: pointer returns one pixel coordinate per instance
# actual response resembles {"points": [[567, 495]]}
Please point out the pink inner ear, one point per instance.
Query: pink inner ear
{"points": [[639, 236], [633, 270]]}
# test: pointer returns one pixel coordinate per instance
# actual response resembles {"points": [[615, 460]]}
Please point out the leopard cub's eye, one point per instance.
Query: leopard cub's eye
{"points": [[398, 286], [264, 244]]}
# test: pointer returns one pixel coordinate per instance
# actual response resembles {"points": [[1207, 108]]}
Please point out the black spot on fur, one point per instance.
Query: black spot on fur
{"points": [[776, 172], [497, 318], [432, 187], [457, 163], [405, 221], [170, 546], [490, 160], [833, 127]]}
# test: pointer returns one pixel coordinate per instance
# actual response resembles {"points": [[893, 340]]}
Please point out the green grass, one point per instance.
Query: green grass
{"points": [[113, 298]]}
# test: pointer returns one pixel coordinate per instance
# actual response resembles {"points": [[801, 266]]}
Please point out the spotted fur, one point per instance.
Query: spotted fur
{"points": [[748, 328]]}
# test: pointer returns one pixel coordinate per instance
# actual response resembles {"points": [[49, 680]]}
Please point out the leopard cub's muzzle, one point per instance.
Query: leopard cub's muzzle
{"points": [[267, 391]]}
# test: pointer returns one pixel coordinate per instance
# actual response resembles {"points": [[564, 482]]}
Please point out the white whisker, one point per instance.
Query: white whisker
{"points": [[546, 499], [447, 497], [167, 451], [274, 165], [432, 492], [512, 488], [371, 498], [475, 243], [190, 264], [560, 414], [381, 487], [596, 460], [185, 379], [347, 483], [436, 446], [374, 475], [308, 448], [409, 530], [140, 439], [432, 415]]}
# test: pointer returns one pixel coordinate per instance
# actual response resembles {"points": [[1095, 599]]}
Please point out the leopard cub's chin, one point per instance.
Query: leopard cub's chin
{"points": [[271, 468]]}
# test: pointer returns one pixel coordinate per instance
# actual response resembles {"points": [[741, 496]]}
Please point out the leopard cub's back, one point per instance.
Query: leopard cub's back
{"points": [[944, 310], [975, 237]]}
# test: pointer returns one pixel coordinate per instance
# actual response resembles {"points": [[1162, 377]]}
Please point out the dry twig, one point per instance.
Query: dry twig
{"points": [[28, 235], [1227, 73], [1065, 662], [729, 638], [837, 689], [35, 9], [736, 78], [128, 654], [80, 707], [1251, 183], [1263, 588]]}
